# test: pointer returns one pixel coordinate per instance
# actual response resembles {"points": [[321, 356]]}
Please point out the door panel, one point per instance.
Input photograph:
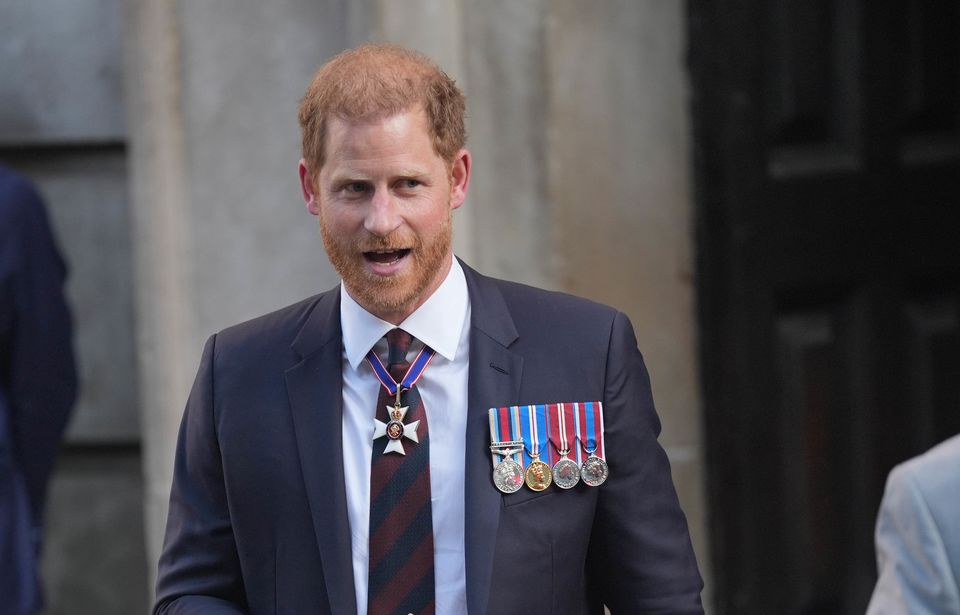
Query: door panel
{"points": [[827, 159]]}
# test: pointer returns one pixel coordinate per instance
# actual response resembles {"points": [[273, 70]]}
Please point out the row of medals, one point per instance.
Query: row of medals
{"points": [[509, 475]]}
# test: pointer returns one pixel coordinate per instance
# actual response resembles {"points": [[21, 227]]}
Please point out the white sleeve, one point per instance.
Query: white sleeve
{"points": [[915, 576]]}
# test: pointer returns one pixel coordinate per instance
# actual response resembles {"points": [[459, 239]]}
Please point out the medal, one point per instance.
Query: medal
{"points": [[537, 475], [594, 469], [566, 473], [395, 429], [575, 431], [507, 474], [505, 444], [560, 426]]}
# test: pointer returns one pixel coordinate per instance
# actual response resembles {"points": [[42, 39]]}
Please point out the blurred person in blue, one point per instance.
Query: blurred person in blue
{"points": [[918, 536], [37, 384]]}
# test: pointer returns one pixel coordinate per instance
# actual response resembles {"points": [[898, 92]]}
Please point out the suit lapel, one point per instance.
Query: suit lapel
{"points": [[314, 386], [494, 380]]}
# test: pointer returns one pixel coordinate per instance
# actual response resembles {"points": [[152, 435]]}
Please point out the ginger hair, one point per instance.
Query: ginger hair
{"points": [[377, 81]]}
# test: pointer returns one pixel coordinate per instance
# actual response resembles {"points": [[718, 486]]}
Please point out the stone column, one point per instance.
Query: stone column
{"points": [[166, 326], [220, 232], [620, 192], [583, 183]]}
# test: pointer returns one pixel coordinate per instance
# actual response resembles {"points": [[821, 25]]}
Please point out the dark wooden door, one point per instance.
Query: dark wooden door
{"points": [[827, 157]]}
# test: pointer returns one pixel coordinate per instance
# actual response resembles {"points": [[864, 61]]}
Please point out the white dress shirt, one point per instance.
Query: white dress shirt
{"points": [[441, 323]]}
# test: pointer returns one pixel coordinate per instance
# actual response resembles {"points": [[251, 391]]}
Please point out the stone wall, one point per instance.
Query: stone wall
{"points": [[219, 227]]}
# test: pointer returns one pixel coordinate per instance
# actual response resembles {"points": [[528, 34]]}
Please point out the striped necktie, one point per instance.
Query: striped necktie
{"points": [[401, 579]]}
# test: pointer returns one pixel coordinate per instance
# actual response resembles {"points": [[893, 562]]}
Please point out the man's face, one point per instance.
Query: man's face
{"points": [[385, 202]]}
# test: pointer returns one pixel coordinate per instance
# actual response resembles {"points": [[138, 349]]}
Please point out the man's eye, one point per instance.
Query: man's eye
{"points": [[410, 183], [355, 187]]}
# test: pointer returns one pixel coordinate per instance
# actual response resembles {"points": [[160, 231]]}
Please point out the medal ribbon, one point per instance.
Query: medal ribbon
{"points": [[576, 427], [536, 421], [590, 421], [571, 423], [554, 433], [504, 427], [561, 425], [494, 415], [516, 431], [409, 379]]}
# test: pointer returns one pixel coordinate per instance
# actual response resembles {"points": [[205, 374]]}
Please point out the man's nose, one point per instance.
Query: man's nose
{"points": [[383, 216]]}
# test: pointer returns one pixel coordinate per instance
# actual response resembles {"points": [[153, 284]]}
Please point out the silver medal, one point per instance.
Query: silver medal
{"points": [[508, 475], [566, 473], [594, 470]]}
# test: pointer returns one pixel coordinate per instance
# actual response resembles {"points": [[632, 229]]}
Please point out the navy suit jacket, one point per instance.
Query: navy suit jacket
{"points": [[37, 383], [258, 513]]}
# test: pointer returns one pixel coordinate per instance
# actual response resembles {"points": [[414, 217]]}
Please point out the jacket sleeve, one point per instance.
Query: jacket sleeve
{"points": [[914, 567], [641, 557], [199, 570]]}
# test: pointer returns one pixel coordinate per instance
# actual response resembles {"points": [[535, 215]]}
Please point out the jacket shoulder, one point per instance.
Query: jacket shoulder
{"points": [[272, 332], [529, 303], [935, 472]]}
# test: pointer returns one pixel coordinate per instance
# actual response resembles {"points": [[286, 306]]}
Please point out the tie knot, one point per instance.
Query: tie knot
{"points": [[398, 343]]}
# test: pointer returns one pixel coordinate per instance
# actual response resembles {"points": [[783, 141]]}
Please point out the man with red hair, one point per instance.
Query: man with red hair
{"points": [[366, 450]]}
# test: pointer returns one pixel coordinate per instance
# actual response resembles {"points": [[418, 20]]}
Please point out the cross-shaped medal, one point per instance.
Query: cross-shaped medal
{"points": [[395, 429]]}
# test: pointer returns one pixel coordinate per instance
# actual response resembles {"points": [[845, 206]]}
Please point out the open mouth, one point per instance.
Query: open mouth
{"points": [[385, 257]]}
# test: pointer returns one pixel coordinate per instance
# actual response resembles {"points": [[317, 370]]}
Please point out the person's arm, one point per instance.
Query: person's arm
{"points": [[199, 569], [914, 568], [641, 557], [43, 381]]}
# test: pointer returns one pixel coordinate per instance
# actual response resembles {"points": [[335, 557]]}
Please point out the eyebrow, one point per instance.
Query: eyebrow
{"points": [[353, 174]]}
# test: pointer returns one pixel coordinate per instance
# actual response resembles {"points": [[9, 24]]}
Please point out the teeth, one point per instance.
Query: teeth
{"points": [[386, 257]]}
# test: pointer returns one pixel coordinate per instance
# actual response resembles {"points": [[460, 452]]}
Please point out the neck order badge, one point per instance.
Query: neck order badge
{"points": [[395, 429]]}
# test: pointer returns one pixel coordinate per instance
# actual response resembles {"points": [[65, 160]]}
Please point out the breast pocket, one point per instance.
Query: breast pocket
{"points": [[525, 495], [542, 542]]}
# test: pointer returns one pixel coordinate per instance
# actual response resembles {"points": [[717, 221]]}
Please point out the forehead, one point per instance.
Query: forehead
{"points": [[403, 134]]}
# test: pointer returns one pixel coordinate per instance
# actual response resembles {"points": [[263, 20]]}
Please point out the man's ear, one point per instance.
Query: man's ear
{"points": [[459, 178], [308, 187]]}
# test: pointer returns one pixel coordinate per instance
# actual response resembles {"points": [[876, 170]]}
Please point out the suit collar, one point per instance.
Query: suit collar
{"points": [[322, 325], [314, 387], [490, 314], [495, 375]]}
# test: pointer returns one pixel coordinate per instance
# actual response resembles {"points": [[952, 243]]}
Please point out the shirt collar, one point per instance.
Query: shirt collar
{"points": [[437, 323]]}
